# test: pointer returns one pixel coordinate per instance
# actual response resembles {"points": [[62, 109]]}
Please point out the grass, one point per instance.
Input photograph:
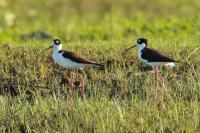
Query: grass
{"points": [[34, 90]]}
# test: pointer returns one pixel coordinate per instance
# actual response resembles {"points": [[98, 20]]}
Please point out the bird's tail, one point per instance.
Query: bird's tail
{"points": [[171, 65]]}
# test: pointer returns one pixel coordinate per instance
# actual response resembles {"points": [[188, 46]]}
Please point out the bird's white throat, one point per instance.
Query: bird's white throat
{"points": [[57, 47], [141, 47]]}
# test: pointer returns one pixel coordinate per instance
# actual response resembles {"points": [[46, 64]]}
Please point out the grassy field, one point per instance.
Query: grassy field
{"points": [[34, 90]]}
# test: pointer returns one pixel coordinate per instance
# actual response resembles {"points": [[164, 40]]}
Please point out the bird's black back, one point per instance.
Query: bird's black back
{"points": [[152, 55], [76, 58]]}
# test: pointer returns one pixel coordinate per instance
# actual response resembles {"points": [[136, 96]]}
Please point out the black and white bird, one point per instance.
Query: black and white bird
{"points": [[71, 61], [154, 59]]}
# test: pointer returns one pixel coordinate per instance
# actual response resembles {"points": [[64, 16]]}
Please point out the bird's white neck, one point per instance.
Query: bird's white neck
{"points": [[57, 48], [141, 47]]}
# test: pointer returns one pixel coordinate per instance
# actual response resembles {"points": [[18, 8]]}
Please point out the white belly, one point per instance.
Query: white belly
{"points": [[155, 64], [67, 63]]}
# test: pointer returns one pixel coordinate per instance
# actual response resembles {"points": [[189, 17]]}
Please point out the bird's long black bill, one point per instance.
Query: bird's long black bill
{"points": [[130, 48], [49, 47]]}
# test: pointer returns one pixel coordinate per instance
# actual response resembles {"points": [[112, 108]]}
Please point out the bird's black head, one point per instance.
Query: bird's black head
{"points": [[56, 42], [141, 41]]}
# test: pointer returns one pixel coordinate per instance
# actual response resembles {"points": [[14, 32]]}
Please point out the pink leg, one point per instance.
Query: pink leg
{"points": [[156, 84], [71, 80], [163, 84], [83, 83]]}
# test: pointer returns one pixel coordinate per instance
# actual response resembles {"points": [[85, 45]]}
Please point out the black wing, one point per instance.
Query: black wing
{"points": [[76, 58], [152, 55]]}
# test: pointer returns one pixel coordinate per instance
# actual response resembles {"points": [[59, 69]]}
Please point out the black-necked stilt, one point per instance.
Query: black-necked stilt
{"points": [[154, 59], [70, 61]]}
